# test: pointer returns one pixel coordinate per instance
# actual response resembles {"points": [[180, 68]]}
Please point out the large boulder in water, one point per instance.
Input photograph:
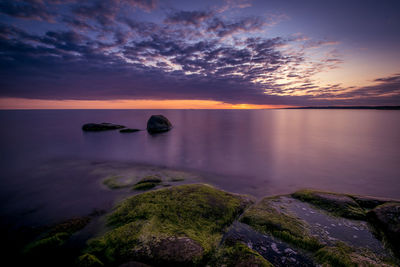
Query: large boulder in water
{"points": [[158, 124], [95, 127]]}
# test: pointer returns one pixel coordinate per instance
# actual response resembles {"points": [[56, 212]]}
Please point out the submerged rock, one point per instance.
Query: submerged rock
{"points": [[158, 124], [95, 127]]}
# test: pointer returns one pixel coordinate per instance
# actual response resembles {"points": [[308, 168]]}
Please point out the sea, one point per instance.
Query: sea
{"points": [[48, 164]]}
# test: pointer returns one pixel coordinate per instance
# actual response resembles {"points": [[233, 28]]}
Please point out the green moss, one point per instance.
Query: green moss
{"points": [[145, 186], [267, 219], [337, 204], [150, 179], [238, 254], [198, 212], [114, 182], [335, 256], [49, 244], [147, 182], [177, 179], [89, 260], [46, 245], [70, 226]]}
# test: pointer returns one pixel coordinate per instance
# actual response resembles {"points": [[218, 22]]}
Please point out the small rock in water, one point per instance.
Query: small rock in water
{"points": [[95, 127], [158, 124], [128, 130]]}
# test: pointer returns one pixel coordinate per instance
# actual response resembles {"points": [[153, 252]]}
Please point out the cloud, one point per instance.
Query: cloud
{"points": [[188, 17], [35, 10], [98, 51]]}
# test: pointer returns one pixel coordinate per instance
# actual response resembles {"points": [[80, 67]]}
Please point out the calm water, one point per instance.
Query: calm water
{"points": [[258, 152]]}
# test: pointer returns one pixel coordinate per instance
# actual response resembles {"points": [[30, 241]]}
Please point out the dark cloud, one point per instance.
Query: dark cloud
{"points": [[222, 28], [26, 9], [188, 17]]}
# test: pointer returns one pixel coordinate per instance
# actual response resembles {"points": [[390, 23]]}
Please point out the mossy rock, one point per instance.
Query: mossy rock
{"points": [[368, 202], [147, 182], [48, 249], [89, 260], [180, 225], [46, 245], [266, 218], [239, 254], [145, 186], [150, 179], [116, 182], [342, 255], [338, 204], [70, 226], [386, 219]]}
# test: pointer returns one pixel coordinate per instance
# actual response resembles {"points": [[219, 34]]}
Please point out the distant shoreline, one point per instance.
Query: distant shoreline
{"points": [[351, 107]]}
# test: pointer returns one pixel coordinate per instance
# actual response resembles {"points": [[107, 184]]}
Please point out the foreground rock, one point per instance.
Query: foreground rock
{"points": [[198, 225], [177, 226], [95, 127], [339, 204], [386, 218], [293, 232], [158, 124]]}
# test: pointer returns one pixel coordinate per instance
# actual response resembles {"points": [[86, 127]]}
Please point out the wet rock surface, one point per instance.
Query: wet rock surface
{"points": [[338, 204], [331, 229], [277, 252]]}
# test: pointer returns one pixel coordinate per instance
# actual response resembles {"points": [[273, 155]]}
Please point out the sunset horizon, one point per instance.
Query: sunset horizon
{"points": [[224, 54]]}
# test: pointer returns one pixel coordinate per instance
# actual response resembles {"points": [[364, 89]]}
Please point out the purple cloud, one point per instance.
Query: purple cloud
{"points": [[99, 51]]}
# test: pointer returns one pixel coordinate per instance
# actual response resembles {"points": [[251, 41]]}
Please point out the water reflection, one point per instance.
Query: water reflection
{"points": [[258, 152]]}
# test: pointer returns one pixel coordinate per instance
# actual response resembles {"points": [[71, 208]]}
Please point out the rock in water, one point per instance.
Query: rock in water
{"points": [[95, 127], [158, 124], [128, 130]]}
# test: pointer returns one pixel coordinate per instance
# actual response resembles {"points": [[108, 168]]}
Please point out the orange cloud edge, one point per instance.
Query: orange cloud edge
{"points": [[24, 103]]}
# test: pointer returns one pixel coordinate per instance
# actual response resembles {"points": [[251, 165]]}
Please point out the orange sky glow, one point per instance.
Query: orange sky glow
{"points": [[23, 103]]}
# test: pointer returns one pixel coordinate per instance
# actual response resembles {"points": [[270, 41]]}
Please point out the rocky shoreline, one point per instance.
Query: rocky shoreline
{"points": [[174, 224]]}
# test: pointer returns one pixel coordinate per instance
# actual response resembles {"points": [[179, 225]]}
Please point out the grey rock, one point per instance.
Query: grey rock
{"points": [[158, 124]]}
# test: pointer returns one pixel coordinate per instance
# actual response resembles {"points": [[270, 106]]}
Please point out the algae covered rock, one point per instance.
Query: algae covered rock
{"points": [[95, 127], [147, 182], [88, 260], [180, 225], [236, 253], [386, 218], [369, 202], [49, 248], [158, 124], [265, 217], [338, 204]]}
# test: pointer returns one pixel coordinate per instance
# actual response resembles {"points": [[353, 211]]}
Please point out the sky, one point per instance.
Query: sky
{"points": [[198, 54]]}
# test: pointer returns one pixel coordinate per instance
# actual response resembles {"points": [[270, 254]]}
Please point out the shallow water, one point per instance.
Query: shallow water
{"points": [[48, 161]]}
